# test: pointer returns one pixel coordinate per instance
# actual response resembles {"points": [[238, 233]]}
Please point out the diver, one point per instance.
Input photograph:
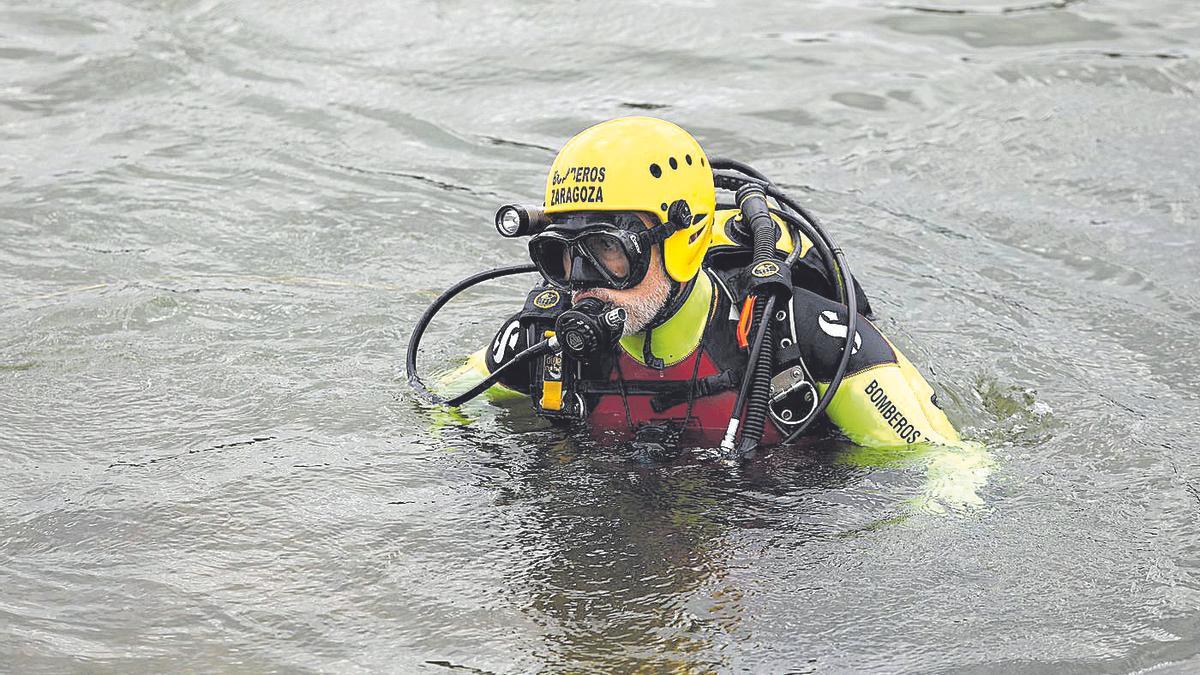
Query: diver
{"points": [[666, 317]]}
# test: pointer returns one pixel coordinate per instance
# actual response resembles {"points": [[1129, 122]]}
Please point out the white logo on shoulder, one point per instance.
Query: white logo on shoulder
{"points": [[506, 340], [828, 321]]}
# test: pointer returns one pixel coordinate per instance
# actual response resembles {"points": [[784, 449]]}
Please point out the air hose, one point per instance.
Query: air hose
{"points": [[414, 341], [756, 216], [543, 347]]}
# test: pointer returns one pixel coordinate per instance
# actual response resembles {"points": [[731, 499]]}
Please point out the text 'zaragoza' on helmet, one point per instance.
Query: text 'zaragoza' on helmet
{"points": [[639, 164]]}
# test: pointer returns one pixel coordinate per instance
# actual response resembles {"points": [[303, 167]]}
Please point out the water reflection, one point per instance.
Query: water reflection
{"points": [[629, 558]]}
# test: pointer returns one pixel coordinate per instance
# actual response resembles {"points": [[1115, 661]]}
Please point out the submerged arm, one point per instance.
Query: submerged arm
{"points": [[887, 408]]}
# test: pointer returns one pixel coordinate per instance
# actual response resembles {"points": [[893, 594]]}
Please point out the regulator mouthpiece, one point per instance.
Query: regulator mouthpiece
{"points": [[589, 327], [515, 220]]}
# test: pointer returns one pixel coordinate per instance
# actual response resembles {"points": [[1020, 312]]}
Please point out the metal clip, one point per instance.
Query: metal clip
{"points": [[791, 393]]}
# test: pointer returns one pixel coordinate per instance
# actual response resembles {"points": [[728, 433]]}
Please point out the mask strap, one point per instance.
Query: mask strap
{"points": [[659, 233], [679, 216]]}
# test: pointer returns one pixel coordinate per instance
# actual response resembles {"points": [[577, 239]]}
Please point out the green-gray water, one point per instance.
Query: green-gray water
{"points": [[220, 220]]}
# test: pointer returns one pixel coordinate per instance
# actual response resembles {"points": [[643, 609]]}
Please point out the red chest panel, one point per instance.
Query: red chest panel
{"points": [[710, 414]]}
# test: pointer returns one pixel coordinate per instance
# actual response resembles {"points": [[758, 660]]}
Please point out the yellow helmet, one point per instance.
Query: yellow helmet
{"points": [[639, 164]]}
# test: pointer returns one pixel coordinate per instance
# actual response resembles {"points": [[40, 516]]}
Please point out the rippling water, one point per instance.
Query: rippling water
{"points": [[219, 221]]}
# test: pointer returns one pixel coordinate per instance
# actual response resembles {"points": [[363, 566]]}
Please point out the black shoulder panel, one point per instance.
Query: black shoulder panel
{"points": [[820, 329], [542, 307], [544, 304], [510, 340]]}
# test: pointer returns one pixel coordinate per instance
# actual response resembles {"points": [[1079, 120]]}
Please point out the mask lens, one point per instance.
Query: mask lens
{"points": [[609, 252], [552, 258]]}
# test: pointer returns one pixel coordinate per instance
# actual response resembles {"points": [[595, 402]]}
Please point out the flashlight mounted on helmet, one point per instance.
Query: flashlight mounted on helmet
{"points": [[516, 220]]}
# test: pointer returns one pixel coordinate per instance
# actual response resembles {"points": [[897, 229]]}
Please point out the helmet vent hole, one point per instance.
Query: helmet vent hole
{"points": [[655, 170], [688, 159], [664, 206], [701, 161], [673, 163]]}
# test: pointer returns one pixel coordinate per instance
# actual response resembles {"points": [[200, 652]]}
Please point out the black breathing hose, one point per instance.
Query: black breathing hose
{"points": [[760, 388], [414, 341], [847, 350], [841, 272], [822, 249], [538, 349], [741, 167], [753, 202]]}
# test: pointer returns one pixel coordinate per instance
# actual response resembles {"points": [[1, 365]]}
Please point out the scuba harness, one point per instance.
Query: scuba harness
{"points": [[590, 329]]}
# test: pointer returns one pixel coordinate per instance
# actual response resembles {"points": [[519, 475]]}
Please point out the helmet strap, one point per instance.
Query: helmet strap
{"points": [[679, 216]]}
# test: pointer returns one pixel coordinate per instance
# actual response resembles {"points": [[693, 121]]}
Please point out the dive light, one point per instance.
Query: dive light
{"points": [[515, 220]]}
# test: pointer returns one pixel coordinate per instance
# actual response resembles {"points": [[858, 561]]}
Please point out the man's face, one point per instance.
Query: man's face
{"points": [[642, 302]]}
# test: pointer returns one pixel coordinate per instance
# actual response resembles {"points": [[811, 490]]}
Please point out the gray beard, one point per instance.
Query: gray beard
{"points": [[640, 310]]}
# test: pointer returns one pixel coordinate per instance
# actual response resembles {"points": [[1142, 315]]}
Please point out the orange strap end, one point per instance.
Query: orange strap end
{"points": [[743, 329]]}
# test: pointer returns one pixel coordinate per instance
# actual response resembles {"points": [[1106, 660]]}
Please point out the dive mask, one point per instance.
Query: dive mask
{"points": [[608, 250]]}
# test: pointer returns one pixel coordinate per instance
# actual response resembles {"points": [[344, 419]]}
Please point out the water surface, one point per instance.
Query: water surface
{"points": [[219, 221]]}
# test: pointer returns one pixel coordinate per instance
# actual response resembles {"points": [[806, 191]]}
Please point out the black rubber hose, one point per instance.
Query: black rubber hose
{"points": [[760, 390], [818, 243], [414, 341], [841, 272], [741, 167], [751, 367], [847, 350], [530, 352], [754, 206]]}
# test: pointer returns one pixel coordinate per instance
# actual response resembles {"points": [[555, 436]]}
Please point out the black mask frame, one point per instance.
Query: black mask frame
{"points": [[578, 235]]}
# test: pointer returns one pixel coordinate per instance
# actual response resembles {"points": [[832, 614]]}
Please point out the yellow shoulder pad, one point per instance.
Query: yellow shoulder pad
{"points": [[725, 219]]}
